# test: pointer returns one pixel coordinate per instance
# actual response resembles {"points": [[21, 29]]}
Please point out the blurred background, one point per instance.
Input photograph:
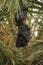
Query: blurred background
{"points": [[31, 54]]}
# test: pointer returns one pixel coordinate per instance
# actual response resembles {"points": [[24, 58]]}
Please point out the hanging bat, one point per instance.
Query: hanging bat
{"points": [[24, 33]]}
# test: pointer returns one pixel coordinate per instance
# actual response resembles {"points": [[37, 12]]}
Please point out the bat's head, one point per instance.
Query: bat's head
{"points": [[20, 17]]}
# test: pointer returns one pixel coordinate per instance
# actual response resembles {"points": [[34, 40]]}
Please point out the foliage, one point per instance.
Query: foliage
{"points": [[35, 58], [33, 53]]}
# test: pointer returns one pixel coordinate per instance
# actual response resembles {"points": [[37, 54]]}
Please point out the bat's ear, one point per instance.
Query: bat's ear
{"points": [[18, 19]]}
